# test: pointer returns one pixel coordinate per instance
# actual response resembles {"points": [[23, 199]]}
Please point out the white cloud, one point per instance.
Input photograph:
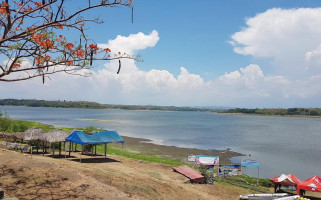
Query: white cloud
{"points": [[290, 38], [248, 86], [132, 43]]}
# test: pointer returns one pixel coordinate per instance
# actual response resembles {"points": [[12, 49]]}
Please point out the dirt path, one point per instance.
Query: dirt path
{"points": [[44, 177]]}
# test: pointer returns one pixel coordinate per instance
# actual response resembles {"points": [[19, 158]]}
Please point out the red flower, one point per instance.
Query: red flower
{"points": [[69, 46], [2, 11], [4, 4], [16, 65], [37, 37], [93, 47], [48, 44], [38, 4], [107, 50], [47, 58], [69, 62], [79, 53], [39, 61]]}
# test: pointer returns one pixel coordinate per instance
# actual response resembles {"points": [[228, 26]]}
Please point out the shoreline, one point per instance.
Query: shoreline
{"points": [[146, 147], [291, 116]]}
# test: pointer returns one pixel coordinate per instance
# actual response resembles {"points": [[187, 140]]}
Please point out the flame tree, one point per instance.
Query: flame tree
{"points": [[32, 42]]}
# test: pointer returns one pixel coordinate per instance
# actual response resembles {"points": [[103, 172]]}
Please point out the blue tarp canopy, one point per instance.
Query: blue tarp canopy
{"points": [[102, 137]]}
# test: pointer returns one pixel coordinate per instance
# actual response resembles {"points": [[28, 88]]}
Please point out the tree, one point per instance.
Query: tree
{"points": [[33, 44], [5, 122]]}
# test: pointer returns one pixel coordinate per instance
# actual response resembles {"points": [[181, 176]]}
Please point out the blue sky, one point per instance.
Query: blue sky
{"points": [[192, 34], [244, 53]]}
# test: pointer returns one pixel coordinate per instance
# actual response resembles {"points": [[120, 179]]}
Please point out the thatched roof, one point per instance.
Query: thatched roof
{"points": [[33, 133], [56, 135]]}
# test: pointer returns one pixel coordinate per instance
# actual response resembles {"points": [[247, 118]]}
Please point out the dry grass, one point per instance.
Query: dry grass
{"points": [[114, 178]]}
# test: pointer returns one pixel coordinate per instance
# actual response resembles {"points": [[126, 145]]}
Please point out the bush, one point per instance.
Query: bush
{"points": [[5, 122], [19, 127], [90, 129]]}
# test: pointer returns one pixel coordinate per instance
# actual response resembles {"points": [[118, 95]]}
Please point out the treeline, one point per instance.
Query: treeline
{"points": [[91, 105], [277, 111]]}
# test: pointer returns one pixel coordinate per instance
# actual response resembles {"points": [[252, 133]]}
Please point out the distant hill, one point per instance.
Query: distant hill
{"points": [[94, 105]]}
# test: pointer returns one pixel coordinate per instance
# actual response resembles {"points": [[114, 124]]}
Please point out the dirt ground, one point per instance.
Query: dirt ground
{"points": [[115, 177]]}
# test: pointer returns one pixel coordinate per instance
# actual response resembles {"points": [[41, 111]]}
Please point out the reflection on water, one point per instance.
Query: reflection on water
{"points": [[282, 145]]}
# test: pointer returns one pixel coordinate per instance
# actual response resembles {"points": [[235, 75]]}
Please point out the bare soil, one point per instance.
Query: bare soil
{"points": [[53, 177]]}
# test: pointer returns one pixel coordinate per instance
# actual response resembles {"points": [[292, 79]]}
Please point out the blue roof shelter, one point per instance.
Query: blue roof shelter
{"points": [[101, 137]]}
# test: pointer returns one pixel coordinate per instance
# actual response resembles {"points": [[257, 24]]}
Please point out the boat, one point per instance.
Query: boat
{"points": [[263, 196]]}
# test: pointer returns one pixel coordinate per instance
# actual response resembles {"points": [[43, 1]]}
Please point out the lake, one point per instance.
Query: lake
{"points": [[281, 144]]}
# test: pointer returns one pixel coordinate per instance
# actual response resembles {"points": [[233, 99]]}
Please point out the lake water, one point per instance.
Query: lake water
{"points": [[281, 144]]}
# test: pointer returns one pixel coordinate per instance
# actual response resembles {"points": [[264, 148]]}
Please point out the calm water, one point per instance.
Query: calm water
{"points": [[282, 145]]}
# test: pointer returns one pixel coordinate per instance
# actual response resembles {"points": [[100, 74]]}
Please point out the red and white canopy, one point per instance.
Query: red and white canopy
{"points": [[287, 180], [311, 184]]}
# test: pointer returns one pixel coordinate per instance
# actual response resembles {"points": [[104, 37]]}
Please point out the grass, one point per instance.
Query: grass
{"points": [[155, 159], [247, 182], [47, 128]]}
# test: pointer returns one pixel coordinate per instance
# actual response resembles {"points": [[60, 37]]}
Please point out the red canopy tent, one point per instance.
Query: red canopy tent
{"points": [[286, 180], [311, 184]]}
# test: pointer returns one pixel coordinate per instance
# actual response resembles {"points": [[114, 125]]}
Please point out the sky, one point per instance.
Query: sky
{"points": [[231, 53]]}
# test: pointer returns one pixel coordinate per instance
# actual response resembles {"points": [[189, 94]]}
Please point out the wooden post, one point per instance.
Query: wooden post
{"points": [[92, 150], [82, 149], [59, 148], [95, 149], [43, 148], [258, 176], [105, 150], [65, 149], [69, 148], [81, 152], [75, 147]]}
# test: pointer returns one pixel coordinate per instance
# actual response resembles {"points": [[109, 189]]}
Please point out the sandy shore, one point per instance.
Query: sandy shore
{"points": [[145, 147]]}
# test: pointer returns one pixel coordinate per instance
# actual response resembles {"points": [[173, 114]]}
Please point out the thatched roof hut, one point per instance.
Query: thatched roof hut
{"points": [[56, 135], [33, 133]]}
